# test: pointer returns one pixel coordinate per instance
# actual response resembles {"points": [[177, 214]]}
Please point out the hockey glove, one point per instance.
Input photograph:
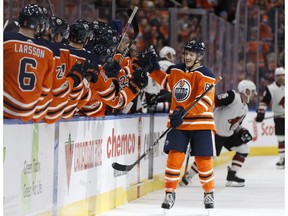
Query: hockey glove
{"points": [[147, 60], [176, 117], [245, 135], [260, 115], [138, 81], [76, 73], [91, 70], [153, 57], [112, 69]]}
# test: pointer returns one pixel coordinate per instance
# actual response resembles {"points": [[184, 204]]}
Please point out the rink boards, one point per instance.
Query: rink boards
{"points": [[65, 168]]}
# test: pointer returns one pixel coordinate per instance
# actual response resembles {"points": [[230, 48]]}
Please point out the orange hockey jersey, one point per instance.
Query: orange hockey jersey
{"points": [[28, 68], [81, 93], [185, 86], [103, 95], [62, 85]]}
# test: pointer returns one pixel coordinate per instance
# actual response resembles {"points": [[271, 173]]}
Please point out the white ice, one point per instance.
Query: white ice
{"points": [[263, 194]]}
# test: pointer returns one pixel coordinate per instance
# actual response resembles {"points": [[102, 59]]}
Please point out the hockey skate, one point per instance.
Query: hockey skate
{"points": [[169, 200], [209, 200], [281, 164], [233, 180]]}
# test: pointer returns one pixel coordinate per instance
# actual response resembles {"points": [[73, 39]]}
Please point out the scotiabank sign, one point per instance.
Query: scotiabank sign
{"points": [[120, 144]]}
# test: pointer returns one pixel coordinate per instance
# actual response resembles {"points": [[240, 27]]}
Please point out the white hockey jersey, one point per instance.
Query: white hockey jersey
{"points": [[164, 64], [229, 113], [274, 95]]}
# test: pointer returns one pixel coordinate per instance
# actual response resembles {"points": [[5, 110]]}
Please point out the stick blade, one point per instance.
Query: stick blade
{"points": [[121, 167]]}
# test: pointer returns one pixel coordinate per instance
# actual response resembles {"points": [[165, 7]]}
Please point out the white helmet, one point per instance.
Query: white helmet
{"points": [[247, 84], [279, 71], [165, 51]]}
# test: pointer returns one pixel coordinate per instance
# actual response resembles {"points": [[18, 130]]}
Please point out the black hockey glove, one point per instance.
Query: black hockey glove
{"points": [[76, 73], [152, 55], [244, 135], [176, 117], [260, 115], [138, 81], [91, 70], [112, 68], [148, 60]]}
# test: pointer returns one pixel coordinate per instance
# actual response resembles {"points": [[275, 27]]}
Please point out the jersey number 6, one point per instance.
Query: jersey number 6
{"points": [[27, 79]]}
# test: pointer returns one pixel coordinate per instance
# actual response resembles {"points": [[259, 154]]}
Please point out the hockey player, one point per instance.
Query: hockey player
{"points": [[187, 81], [80, 34], [167, 57], [59, 29], [104, 48], [231, 109], [274, 95], [28, 66], [62, 84]]}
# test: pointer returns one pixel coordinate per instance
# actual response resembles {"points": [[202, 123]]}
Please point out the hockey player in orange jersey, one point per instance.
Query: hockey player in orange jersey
{"points": [[62, 85], [28, 66], [52, 107], [186, 82], [103, 48]]}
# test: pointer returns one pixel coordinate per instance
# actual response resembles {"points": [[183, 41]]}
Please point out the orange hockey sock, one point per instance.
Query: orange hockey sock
{"points": [[173, 167], [206, 174]]}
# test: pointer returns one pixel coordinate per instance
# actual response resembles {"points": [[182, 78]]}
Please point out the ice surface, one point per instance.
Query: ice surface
{"points": [[263, 194]]}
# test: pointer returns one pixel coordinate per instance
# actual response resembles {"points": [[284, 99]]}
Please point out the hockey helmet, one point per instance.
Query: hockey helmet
{"points": [[195, 46], [45, 22], [59, 26], [279, 71], [99, 28], [80, 31], [165, 51], [248, 88], [105, 46], [30, 16]]}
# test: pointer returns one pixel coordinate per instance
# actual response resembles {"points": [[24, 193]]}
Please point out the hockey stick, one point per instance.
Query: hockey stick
{"points": [[126, 27], [136, 32], [5, 24], [121, 167], [51, 7], [187, 162], [269, 117]]}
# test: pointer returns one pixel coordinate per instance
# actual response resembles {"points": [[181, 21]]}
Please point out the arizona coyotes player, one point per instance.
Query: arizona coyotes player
{"points": [[231, 109], [186, 82], [274, 95], [28, 66]]}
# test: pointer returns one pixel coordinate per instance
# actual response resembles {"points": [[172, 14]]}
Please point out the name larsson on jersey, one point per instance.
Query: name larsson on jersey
{"points": [[27, 49]]}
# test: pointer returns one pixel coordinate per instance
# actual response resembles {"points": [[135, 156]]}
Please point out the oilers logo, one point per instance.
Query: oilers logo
{"points": [[182, 90]]}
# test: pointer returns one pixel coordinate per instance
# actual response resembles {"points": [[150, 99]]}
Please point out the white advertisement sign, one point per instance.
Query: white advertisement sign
{"points": [[28, 168], [263, 133], [159, 163], [87, 150]]}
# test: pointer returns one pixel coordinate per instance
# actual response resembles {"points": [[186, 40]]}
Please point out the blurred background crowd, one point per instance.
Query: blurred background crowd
{"points": [[244, 38]]}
